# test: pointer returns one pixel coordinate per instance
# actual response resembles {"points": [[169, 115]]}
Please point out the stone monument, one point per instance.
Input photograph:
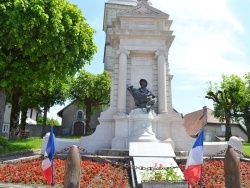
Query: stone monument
{"points": [[138, 39]]}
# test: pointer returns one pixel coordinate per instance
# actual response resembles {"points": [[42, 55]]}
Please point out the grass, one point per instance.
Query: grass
{"points": [[31, 143], [246, 148], [36, 143], [21, 144]]}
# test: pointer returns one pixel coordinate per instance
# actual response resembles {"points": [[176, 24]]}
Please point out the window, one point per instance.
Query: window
{"points": [[31, 113], [5, 128], [223, 128], [207, 137], [79, 114]]}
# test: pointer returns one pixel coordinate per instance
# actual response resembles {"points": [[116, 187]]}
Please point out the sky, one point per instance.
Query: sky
{"points": [[212, 37]]}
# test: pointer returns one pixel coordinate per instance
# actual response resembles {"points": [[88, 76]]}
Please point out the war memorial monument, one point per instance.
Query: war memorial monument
{"points": [[138, 40]]}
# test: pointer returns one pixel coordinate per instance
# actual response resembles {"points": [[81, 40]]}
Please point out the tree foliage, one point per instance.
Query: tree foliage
{"points": [[45, 94], [49, 121], [39, 39], [242, 112], [91, 91], [230, 101]]}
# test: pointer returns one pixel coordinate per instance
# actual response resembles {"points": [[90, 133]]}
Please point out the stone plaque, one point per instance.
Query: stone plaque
{"points": [[151, 162], [141, 68], [148, 149]]}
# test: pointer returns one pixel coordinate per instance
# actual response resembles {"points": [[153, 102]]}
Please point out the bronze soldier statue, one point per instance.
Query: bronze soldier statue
{"points": [[143, 97]]}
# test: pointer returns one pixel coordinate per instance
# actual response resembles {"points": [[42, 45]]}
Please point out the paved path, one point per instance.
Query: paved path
{"points": [[18, 155]]}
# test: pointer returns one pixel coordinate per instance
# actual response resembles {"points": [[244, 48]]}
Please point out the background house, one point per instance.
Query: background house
{"points": [[32, 116], [214, 130], [73, 120]]}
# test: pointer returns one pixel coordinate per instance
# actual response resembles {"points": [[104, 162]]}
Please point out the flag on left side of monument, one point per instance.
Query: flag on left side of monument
{"points": [[47, 163], [195, 160]]}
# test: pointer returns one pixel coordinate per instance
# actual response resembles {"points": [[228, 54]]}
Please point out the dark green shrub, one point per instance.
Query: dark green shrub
{"points": [[4, 141]]}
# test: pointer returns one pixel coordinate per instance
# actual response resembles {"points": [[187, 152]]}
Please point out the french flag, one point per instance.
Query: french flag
{"points": [[47, 164], [195, 159]]}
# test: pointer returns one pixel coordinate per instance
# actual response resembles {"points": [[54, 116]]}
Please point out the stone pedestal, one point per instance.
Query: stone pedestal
{"points": [[135, 127], [141, 126]]}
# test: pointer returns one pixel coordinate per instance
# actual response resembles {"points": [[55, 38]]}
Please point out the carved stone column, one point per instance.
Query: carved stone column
{"points": [[122, 83], [162, 88], [112, 90]]}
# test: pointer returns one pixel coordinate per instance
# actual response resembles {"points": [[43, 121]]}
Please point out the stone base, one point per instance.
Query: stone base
{"points": [[135, 127], [155, 184], [119, 143]]}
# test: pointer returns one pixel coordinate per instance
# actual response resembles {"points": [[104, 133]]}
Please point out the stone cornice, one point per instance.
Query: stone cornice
{"points": [[126, 52], [143, 9], [159, 52]]}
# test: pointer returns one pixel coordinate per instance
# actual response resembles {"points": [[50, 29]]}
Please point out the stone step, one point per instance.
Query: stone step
{"points": [[181, 153], [120, 159], [114, 152], [99, 158]]}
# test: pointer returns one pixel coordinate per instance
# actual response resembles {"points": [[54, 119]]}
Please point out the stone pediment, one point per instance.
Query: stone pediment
{"points": [[142, 10], [123, 2]]}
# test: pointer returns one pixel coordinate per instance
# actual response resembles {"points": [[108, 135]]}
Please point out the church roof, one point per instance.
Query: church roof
{"points": [[195, 121]]}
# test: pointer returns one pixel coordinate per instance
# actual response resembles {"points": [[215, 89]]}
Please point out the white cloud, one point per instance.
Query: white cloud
{"points": [[206, 44]]}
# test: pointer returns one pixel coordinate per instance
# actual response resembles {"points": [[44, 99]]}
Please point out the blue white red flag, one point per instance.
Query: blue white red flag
{"points": [[47, 163], [195, 159]]}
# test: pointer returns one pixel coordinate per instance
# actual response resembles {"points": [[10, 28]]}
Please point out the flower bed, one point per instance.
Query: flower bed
{"points": [[92, 174], [106, 175], [213, 174]]}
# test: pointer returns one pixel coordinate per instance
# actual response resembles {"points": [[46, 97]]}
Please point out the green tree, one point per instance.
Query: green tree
{"points": [[43, 95], [37, 39], [246, 105], [226, 99], [242, 111], [91, 92], [27, 101], [49, 121], [50, 93]]}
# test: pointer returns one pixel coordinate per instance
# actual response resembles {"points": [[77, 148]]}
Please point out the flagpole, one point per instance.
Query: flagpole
{"points": [[202, 161], [52, 162], [201, 178]]}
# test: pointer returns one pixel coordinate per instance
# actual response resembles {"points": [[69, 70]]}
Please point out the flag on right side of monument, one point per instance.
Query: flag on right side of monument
{"points": [[195, 160]]}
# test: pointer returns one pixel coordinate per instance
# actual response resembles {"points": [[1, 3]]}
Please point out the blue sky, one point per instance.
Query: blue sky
{"points": [[211, 38]]}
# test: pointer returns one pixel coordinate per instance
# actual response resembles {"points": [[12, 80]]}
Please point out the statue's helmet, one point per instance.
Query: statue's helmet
{"points": [[143, 80]]}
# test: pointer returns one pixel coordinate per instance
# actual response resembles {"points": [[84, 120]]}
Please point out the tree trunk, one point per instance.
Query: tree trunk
{"points": [[23, 118], [3, 99], [88, 116], [247, 124], [228, 132], [15, 113], [44, 121]]}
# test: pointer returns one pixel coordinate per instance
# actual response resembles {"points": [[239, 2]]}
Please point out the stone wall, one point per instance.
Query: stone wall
{"points": [[36, 130]]}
